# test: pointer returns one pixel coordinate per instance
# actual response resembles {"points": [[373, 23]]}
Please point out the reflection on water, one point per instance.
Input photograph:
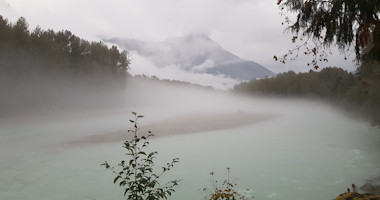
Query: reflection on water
{"points": [[309, 152]]}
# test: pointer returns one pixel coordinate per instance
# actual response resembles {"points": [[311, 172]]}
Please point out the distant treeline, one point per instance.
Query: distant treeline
{"points": [[358, 91], [39, 68], [171, 82]]}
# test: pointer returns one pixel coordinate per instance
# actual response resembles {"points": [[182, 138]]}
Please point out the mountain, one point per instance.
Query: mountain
{"points": [[195, 53]]}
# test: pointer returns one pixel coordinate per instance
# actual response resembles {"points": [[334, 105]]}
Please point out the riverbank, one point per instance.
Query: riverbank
{"points": [[183, 124], [369, 191]]}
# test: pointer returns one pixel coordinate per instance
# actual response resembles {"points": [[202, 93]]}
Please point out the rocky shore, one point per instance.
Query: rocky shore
{"points": [[369, 191]]}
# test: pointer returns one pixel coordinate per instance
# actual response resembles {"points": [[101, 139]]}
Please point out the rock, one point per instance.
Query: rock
{"points": [[367, 188]]}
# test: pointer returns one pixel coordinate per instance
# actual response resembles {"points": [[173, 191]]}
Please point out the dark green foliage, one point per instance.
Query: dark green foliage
{"points": [[41, 69], [224, 190], [330, 83], [333, 84], [334, 22], [137, 175], [58, 51], [354, 22]]}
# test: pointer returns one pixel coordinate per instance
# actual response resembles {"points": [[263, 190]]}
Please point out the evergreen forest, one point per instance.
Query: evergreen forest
{"points": [[42, 70]]}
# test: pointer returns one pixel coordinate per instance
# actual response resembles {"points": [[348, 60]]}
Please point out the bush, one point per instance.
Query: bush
{"points": [[136, 174], [225, 190]]}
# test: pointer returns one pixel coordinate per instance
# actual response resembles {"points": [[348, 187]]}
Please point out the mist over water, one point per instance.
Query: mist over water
{"points": [[291, 149]]}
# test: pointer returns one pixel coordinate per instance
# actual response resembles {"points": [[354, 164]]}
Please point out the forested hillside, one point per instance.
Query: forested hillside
{"points": [[43, 69], [360, 93]]}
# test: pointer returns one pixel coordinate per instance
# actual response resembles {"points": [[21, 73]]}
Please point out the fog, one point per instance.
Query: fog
{"points": [[278, 148], [141, 65]]}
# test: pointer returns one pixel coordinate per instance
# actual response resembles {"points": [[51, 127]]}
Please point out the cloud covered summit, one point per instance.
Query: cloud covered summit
{"points": [[194, 54]]}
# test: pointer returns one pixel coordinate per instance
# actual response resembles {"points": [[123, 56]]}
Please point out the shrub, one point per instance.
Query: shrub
{"points": [[225, 190], [136, 175]]}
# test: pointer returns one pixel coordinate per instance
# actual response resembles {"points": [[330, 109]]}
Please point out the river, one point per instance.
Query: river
{"points": [[308, 150]]}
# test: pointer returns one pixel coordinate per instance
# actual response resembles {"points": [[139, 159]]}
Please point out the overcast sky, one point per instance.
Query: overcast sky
{"points": [[250, 29]]}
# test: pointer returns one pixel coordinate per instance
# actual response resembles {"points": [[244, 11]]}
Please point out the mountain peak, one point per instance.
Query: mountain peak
{"points": [[192, 41], [199, 36], [191, 37], [197, 53]]}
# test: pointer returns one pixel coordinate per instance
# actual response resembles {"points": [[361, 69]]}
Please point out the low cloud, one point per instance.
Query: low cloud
{"points": [[208, 64], [140, 65]]}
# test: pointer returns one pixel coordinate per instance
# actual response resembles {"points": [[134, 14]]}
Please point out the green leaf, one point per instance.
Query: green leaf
{"points": [[152, 184], [105, 164], [122, 183], [117, 177], [134, 113], [126, 191]]}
